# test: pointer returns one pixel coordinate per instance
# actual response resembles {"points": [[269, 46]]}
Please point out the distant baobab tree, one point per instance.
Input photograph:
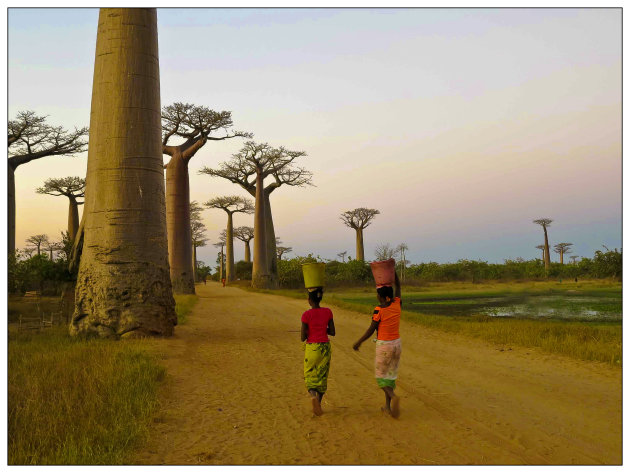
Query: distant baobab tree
{"points": [[384, 251], [51, 246], [563, 249], [358, 219], [401, 249], [123, 286], [542, 248], [196, 125], [248, 168], [342, 255], [30, 138], [573, 258], [38, 241], [221, 244], [282, 249], [197, 232], [545, 222], [71, 187], [230, 205], [245, 234]]}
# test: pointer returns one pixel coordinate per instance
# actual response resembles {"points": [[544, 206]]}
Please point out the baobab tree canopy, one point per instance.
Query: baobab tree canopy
{"points": [[29, 138], [359, 218], [72, 188], [249, 168], [195, 125]]}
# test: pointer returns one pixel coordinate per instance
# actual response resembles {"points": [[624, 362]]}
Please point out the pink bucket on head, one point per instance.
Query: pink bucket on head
{"points": [[383, 272]]}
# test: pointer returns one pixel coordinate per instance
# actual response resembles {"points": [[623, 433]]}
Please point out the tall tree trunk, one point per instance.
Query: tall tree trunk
{"points": [[39, 250], [51, 254], [221, 273], [194, 262], [73, 218], [270, 235], [11, 209], [178, 225], [561, 257], [260, 269], [360, 253], [547, 257], [230, 274], [123, 285], [248, 254]]}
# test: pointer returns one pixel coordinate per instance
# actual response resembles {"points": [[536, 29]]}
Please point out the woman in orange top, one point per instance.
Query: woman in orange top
{"points": [[386, 321]]}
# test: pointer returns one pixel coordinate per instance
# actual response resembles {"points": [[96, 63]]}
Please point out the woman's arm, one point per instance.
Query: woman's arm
{"points": [[304, 331], [331, 327], [366, 335]]}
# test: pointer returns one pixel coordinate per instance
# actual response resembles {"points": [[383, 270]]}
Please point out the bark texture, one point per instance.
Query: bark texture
{"points": [[73, 218], [178, 225], [248, 253], [123, 285], [260, 270], [547, 256], [11, 208], [360, 252]]}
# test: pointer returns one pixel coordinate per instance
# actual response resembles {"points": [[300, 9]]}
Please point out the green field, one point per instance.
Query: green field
{"points": [[567, 324]]}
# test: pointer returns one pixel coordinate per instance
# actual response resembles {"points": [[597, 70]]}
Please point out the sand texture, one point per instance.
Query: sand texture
{"points": [[235, 395]]}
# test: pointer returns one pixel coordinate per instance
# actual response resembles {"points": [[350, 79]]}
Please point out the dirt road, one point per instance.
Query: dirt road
{"points": [[235, 395]]}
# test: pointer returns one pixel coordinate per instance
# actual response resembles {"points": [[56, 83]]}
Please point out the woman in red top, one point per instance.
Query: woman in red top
{"points": [[386, 321], [317, 324]]}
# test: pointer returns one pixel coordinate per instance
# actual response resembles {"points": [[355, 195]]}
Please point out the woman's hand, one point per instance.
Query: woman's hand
{"points": [[356, 346]]}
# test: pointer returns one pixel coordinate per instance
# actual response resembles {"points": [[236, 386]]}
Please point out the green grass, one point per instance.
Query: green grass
{"points": [[598, 340], [76, 401], [183, 305]]}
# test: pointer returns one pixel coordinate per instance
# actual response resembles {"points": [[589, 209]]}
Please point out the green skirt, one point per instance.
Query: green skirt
{"points": [[316, 366]]}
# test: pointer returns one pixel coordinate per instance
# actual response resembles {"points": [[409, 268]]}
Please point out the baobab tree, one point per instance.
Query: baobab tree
{"points": [[542, 248], [545, 222], [51, 246], [221, 244], [342, 255], [230, 205], [123, 285], [245, 234], [30, 138], [573, 258], [280, 250], [384, 251], [196, 125], [38, 241], [562, 249], [359, 219], [249, 168], [197, 232], [72, 188], [401, 249]]}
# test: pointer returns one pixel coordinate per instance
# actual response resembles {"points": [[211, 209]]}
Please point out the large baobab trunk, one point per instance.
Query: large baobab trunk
{"points": [[11, 208], [73, 218], [230, 274], [194, 262], [123, 286], [260, 268], [360, 252], [270, 236], [248, 253], [547, 257], [178, 225]]}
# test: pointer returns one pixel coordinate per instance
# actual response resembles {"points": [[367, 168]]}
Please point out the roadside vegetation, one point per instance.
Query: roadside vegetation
{"points": [[77, 401]]}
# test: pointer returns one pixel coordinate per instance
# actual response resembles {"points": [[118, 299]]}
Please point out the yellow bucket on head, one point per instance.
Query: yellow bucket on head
{"points": [[313, 274]]}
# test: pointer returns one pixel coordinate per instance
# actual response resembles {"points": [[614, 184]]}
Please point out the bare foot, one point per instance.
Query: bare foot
{"points": [[395, 407], [317, 408], [386, 410]]}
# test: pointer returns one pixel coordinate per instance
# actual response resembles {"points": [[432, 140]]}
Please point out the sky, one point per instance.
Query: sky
{"points": [[460, 126]]}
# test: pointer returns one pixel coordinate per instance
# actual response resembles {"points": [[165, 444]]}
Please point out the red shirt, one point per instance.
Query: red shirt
{"points": [[317, 321]]}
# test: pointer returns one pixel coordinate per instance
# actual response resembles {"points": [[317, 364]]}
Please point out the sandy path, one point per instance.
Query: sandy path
{"points": [[235, 395]]}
